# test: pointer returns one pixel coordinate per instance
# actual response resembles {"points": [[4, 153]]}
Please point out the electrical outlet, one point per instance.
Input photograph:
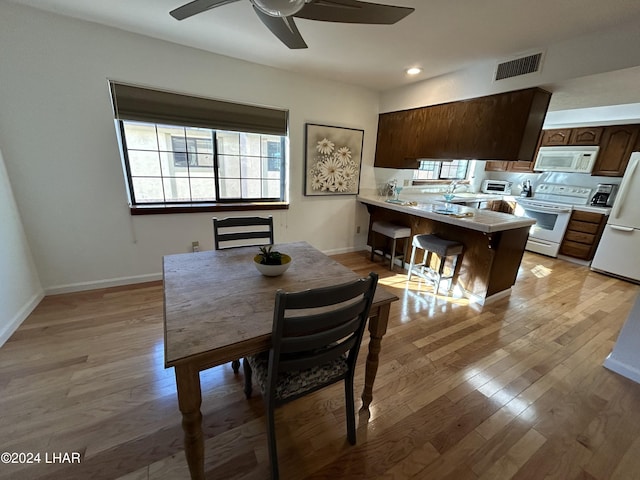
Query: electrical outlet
{"points": [[358, 229], [195, 246]]}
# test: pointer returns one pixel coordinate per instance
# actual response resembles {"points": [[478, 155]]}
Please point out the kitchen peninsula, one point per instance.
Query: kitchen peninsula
{"points": [[494, 242]]}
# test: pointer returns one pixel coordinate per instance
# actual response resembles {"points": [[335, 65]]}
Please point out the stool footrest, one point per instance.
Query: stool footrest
{"points": [[432, 244], [393, 232]]}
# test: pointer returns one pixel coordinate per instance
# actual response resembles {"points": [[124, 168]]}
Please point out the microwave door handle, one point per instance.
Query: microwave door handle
{"points": [[617, 208]]}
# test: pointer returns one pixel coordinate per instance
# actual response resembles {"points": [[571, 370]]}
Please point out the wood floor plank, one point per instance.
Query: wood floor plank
{"points": [[514, 389]]}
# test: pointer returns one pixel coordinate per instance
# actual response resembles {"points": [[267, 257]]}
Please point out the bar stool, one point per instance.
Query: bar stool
{"points": [[442, 248], [393, 231]]}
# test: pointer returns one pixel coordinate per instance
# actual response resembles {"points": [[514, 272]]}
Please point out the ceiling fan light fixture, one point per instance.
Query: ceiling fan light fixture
{"points": [[279, 8]]}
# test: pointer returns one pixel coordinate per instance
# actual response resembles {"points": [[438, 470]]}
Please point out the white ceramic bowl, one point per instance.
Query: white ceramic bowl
{"points": [[272, 270]]}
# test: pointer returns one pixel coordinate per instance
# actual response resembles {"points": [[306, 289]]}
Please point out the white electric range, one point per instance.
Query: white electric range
{"points": [[551, 207]]}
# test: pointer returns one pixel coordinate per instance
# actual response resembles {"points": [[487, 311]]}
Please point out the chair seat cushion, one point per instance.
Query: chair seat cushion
{"points": [[291, 384], [391, 230], [437, 245]]}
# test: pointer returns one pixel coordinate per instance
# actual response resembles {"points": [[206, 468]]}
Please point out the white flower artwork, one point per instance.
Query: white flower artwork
{"points": [[333, 158]]}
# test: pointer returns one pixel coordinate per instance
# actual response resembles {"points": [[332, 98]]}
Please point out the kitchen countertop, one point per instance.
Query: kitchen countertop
{"points": [[464, 197], [486, 221], [589, 208]]}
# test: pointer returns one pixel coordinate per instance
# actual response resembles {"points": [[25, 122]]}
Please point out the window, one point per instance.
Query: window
{"points": [[170, 164], [197, 153], [433, 170]]}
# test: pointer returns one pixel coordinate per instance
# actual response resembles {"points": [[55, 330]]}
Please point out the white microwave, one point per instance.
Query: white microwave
{"points": [[571, 159]]}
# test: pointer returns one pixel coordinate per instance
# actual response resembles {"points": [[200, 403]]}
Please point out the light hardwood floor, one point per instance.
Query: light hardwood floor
{"points": [[512, 390]]}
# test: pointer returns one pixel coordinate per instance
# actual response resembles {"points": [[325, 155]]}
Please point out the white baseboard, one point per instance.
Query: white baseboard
{"points": [[338, 251], [624, 369], [487, 300], [20, 317], [110, 282]]}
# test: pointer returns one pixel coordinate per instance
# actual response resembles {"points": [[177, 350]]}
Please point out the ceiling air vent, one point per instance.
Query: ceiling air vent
{"points": [[519, 66]]}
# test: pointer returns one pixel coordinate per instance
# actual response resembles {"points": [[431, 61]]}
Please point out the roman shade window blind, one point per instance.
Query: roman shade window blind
{"points": [[156, 106]]}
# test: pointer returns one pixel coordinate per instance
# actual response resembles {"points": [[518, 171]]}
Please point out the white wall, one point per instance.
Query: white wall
{"points": [[56, 127], [578, 57], [20, 289]]}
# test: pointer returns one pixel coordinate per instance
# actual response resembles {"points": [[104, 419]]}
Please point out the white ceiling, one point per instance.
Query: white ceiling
{"points": [[441, 36]]}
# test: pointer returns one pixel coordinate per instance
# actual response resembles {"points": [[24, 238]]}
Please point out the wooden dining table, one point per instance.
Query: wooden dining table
{"points": [[219, 308]]}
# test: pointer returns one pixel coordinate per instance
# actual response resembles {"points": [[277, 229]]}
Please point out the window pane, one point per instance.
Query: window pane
{"points": [[229, 166], [201, 160], [432, 170], [228, 143], [147, 190], [271, 146], [171, 167], [271, 189], [251, 189], [229, 188], [457, 169], [177, 189], [250, 144], [143, 163], [140, 136], [202, 140], [201, 171], [250, 167], [203, 189], [171, 139]]}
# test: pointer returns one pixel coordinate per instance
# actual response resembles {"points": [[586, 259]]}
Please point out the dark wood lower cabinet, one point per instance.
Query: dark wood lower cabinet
{"points": [[490, 261], [583, 234]]}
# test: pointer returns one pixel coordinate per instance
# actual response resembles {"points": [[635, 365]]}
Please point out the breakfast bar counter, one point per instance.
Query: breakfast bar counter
{"points": [[493, 241]]}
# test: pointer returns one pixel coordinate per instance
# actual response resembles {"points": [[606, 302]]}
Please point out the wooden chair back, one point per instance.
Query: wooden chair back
{"points": [[314, 327], [233, 232]]}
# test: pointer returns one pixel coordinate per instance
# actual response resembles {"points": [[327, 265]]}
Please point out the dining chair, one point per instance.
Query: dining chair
{"points": [[315, 342], [234, 232]]}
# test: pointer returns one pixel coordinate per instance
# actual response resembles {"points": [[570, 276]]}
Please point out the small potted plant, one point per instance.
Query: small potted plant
{"points": [[270, 262]]}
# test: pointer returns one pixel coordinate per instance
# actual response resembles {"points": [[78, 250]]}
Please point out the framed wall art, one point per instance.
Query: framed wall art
{"points": [[333, 157]]}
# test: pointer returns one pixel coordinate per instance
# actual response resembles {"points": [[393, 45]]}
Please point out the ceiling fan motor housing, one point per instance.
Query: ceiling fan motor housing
{"points": [[279, 8]]}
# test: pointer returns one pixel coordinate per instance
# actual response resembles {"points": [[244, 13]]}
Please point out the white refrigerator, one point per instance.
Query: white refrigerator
{"points": [[618, 252]]}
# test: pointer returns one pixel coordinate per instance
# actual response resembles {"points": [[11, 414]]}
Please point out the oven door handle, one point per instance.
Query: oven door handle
{"points": [[546, 210]]}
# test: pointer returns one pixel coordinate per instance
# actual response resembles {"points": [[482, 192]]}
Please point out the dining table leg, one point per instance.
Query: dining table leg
{"points": [[377, 328], [189, 401]]}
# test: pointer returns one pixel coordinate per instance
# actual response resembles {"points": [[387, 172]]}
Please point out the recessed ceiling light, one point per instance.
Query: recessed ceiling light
{"points": [[413, 71]]}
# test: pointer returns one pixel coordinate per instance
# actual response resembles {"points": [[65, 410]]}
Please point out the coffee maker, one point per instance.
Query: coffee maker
{"points": [[605, 194]]}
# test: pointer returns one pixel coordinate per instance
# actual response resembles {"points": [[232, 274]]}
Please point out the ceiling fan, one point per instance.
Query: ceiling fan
{"points": [[278, 15]]}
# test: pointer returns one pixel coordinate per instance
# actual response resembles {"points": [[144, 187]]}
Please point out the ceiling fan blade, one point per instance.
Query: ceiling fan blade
{"points": [[284, 28], [353, 11], [197, 6]]}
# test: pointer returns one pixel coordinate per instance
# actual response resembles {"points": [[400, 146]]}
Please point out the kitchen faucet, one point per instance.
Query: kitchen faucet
{"points": [[452, 186]]}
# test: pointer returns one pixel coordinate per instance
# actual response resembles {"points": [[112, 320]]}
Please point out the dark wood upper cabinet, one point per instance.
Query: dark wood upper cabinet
{"points": [[571, 136], [558, 136], [586, 136], [504, 126], [616, 145]]}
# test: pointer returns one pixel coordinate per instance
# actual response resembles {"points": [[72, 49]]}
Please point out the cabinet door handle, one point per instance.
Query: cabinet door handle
{"points": [[621, 229]]}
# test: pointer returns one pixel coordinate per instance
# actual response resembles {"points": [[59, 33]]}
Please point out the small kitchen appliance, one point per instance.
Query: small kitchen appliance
{"points": [[568, 159], [527, 190], [498, 187], [605, 195]]}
